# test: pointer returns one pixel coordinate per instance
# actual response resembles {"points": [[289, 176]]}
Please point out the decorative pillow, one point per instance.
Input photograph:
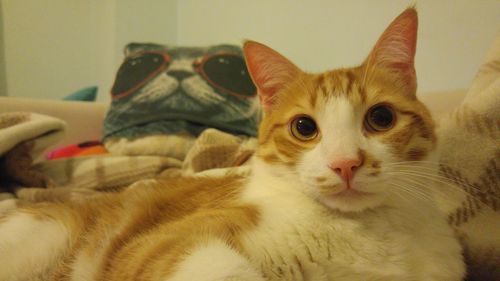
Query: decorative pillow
{"points": [[162, 92], [85, 94], [470, 159]]}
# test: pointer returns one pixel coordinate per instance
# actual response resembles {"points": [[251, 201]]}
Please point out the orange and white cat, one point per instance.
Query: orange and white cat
{"points": [[329, 198]]}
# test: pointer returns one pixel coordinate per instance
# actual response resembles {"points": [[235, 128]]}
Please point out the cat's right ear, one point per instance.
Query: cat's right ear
{"points": [[270, 71], [395, 49]]}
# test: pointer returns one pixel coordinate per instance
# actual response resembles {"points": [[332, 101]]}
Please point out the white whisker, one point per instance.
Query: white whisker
{"points": [[415, 188], [437, 178], [409, 190]]}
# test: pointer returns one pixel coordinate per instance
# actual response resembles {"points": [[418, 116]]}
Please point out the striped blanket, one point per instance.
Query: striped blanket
{"points": [[25, 175], [469, 139]]}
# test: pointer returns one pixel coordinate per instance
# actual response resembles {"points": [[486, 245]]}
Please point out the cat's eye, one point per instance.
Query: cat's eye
{"points": [[304, 128], [380, 118]]}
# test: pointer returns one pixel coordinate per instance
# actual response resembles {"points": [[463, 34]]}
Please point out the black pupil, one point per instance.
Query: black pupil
{"points": [[306, 126], [381, 116], [135, 70], [230, 73]]}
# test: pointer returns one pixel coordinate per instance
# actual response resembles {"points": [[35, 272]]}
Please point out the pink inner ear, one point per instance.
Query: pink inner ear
{"points": [[270, 71], [396, 46]]}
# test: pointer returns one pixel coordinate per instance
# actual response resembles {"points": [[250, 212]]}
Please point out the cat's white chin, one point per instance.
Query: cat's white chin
{"points": [[351, 200], [351, 193]]}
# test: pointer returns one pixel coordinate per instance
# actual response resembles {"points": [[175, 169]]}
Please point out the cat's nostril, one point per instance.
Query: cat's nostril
{"points": [[345, 168], [180, 74]]}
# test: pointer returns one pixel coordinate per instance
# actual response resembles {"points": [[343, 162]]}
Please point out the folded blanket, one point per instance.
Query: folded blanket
{"points": [[20, 127], [81, 177], [74, 177], [215, 149], [23, 138], [470, 164]]}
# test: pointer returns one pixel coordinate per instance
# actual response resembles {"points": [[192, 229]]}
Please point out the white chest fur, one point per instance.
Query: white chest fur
{"points": [[300, 239]]}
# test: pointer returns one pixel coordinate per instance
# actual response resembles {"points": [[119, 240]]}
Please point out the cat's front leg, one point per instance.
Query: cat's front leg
{"points": [[215, 261]]}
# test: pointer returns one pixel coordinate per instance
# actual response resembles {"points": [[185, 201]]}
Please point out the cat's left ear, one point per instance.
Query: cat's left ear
{"points": [[270, 71], [395, 49]]}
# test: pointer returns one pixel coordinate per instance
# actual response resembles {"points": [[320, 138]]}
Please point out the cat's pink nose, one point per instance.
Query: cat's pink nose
{"points": [[345, 168]]}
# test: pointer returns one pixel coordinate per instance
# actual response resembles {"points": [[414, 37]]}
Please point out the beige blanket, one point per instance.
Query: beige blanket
{"points": [[23, 136]]}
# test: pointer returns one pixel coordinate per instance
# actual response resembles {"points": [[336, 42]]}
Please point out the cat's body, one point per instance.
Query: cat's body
{"points": [[332, 195], [214, 229]]}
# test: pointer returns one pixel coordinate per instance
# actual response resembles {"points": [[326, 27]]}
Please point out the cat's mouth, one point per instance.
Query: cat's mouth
{"points": [[343, 190], [350, 193], [350, 199]]}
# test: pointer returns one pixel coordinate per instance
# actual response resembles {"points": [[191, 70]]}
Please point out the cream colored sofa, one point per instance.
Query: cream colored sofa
{"points": [[85, 119]]}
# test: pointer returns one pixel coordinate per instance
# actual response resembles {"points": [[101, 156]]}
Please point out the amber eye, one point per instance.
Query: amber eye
{"points": [[380, 118], [304, 128]]}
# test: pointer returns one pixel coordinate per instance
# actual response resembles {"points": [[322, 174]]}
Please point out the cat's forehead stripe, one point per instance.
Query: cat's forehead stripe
{"points": [[339, 83], [319, 88], [349, 81]]}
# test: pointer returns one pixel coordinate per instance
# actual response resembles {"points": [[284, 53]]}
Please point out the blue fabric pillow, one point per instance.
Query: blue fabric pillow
{"points": [[162, 90], [85, 94]]}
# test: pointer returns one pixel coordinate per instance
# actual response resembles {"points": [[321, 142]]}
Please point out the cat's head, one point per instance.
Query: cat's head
{"points": [[345, 136]]}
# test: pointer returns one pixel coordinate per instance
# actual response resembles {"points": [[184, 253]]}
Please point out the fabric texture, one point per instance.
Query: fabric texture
{"points": [[78, 178], [470, 163], [23, 137], [19, 127]]}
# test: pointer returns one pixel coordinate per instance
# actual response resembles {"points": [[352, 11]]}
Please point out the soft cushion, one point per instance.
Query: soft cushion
{"points": [[180, 91]]}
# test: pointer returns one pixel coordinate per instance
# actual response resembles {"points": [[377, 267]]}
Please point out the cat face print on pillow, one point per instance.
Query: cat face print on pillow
{"points": [[182, 90]]}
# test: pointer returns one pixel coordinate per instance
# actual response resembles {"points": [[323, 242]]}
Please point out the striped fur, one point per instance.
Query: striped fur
{"points": [[133, 235]]}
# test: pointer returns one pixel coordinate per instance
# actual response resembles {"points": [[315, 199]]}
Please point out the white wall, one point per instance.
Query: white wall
{"points": [[3, 77], [54, 47], [324, 34], [145, 21]]}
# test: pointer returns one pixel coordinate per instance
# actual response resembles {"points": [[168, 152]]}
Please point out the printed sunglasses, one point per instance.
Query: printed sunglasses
{"points": [[226, 72]]}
